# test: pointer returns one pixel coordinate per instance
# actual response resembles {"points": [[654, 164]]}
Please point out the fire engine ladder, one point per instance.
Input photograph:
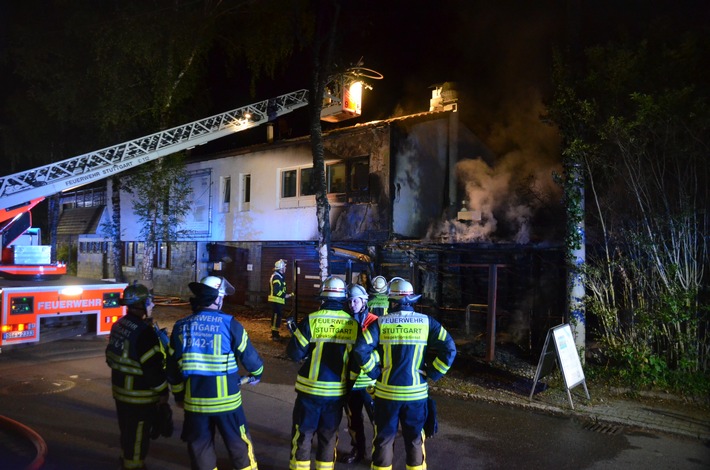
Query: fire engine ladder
{"points": [[22, 188]]}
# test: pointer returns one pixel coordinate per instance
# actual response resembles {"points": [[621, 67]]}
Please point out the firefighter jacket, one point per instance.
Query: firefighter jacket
{"points": [[137, 362], [203, 367], [277, 294], [403, 340], [379, 304], [358, 377], [325, 339]]}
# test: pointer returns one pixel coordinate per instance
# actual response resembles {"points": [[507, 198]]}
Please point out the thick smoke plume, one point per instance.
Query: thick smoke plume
{"points": [[510, 193]]}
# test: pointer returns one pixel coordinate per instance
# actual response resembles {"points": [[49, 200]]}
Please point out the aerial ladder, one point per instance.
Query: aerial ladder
{"points": [[22, 191], [50, 301]]}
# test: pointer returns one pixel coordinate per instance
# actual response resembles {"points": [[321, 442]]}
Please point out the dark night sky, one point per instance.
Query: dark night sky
{"points": [[499, 52]]}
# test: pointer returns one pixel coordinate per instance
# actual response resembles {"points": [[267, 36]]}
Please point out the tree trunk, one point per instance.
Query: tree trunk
{"points": [[116, 243], [323, 47]]}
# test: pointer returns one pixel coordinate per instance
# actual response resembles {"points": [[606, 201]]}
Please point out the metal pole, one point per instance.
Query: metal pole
{"points": [[491, 316]]}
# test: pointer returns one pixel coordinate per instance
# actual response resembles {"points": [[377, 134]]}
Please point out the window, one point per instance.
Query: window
{"points": [[162, 255], [226, 193], [346, 181], [358, 188], [129, 253], [335, 178], [288, 183], [245, 201], [307, 183]]}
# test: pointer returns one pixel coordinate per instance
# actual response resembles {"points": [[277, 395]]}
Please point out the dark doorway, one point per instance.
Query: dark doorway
{"points": [[230, 263]]}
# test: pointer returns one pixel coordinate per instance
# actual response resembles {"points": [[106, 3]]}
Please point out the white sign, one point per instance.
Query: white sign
{"points": [[560, 347], [568, 356]]}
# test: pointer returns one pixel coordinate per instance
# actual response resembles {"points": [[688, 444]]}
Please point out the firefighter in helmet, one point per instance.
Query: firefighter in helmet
{"points": [[208, 347], [379, 303], [138, 378], [401, 343], [323, 340], [277, 297], [359, 397]]}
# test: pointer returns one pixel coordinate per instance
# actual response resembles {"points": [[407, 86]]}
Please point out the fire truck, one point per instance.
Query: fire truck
{"points": [[36, 296]]}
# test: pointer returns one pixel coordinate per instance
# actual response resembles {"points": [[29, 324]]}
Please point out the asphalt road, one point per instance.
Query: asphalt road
{"points": [[62, 391]]}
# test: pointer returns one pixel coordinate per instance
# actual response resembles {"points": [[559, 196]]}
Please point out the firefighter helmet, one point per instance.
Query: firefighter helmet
{"points": [[355, 291], [211, 286], [402, 291], [333, 288], [379, 285], [135, 294], [279, 265]]}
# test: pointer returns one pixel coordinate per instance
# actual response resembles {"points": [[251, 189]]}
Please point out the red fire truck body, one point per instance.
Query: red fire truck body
{"points": [[31, 311]]}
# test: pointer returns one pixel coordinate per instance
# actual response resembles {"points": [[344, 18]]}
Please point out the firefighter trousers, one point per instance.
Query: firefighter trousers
{"points": [[199, 433], [134, 423], [359, 399], [411, 415], [320, 417]]}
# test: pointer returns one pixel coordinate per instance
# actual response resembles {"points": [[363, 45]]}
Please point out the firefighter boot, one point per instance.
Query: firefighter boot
{"points": [[275, 336], [354, 456]]}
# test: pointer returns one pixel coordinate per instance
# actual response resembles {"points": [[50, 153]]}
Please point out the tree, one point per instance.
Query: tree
{"points": [[636, 117], [322, 59]]}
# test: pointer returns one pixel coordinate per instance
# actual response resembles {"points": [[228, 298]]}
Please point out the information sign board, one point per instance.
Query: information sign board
{"points": [[559, 347]]}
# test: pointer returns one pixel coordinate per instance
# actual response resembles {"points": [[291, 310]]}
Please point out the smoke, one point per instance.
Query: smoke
{"points": [[510, 194]]}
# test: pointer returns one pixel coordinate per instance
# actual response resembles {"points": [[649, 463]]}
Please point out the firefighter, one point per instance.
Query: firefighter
{"points": [[203, 369], [359, 398], [404, 339], [323, 340], [379, 303], [277, 297], [138, 377]]}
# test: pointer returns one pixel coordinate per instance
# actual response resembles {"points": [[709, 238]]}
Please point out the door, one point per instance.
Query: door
{"points": [[230, 262]]}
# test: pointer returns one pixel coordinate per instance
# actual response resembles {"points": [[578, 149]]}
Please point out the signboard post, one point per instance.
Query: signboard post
{"points": [[559, 346]]}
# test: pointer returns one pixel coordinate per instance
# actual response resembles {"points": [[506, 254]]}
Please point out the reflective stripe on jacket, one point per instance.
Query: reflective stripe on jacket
{"points": [[325, 339], [203, 368], [379, 304], [402, 340], [137, 362], [277, 285]]}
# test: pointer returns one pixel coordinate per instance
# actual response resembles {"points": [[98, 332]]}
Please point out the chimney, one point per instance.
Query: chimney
{"points": [[444, 97]]}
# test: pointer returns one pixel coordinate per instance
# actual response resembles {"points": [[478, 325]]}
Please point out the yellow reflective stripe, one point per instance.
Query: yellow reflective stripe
{"points": [[417, 358], [368, 336], [250, 448], [363, 381], [123, 363], [324, 465], [302, 341], [259, 371], [150, 353], [387, 350], [401, 393], [277, 300], [443, 334], [369, 365], [314, 368], [294, 464], [212, 404], [243, 343], [136, 397], [320, 388], [441, 366], [217, 349], [196, 362]]}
